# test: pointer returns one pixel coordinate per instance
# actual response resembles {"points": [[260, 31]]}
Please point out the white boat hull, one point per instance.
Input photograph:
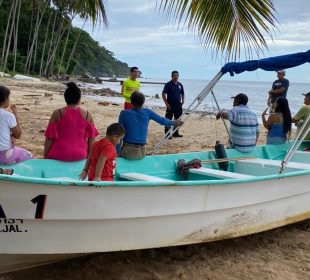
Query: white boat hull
{"points": [[82, 220]]}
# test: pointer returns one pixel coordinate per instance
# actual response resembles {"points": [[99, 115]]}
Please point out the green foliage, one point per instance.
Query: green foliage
{"points": [[88, 56]]}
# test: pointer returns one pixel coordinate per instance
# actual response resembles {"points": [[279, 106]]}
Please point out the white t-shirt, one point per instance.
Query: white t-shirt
{"points": [[7, 121]]}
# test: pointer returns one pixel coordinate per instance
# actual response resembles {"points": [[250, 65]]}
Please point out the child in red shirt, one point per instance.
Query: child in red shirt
{"points": [[101, 162]]}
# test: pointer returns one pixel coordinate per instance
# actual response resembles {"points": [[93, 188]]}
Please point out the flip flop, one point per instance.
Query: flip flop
{"points": [[6, 171]]}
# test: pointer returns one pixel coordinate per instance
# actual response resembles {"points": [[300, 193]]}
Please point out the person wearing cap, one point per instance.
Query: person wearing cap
{"points": [[129, 86], [244, 127], [302, 114], [279, 88]]}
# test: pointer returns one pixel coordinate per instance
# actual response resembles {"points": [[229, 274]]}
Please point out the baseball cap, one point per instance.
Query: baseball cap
{"points": [[241, 98], [306, 94], [281, 71]]}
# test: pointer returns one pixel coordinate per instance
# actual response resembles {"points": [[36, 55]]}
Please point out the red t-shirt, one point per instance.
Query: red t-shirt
{"points": [[105, 148]]}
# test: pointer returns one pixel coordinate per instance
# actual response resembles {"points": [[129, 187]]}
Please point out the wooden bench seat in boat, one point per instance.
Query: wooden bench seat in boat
{"points": [[219, 173], [143, 177], [270, 162]]}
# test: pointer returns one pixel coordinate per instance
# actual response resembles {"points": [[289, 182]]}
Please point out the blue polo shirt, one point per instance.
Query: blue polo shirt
{"points": [[174, 92], [136, 122]]}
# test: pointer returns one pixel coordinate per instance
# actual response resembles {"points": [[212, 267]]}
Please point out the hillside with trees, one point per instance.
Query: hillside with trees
{"points": [[37, 37]]}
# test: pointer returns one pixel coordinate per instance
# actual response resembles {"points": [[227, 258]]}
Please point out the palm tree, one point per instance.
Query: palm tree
{"points": [[225, 25]]}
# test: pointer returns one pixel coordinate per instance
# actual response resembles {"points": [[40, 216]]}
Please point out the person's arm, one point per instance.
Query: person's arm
{"points": [[124, 88], [267, 123], [16, 130], [48, 142], [300, 114], [84, 172], [160, 120], [182, 95], [99, 167], [222, 114], [277, 91], [164, 96]]}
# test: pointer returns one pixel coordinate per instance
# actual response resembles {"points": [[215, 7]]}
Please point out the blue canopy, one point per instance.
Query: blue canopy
{"points": [[268, 64]]}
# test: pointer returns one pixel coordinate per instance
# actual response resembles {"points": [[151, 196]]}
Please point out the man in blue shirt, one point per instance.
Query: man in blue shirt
{"points": [[279, 88], [136, 121], [173, 96]]}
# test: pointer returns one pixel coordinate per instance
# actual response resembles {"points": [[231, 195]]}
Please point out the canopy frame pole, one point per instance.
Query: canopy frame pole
{"points": [[219, 109], [191, 108], [299, 138]]}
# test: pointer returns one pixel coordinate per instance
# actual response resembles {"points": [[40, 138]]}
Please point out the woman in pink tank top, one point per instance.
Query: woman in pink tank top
{"points": [[71, 130]]}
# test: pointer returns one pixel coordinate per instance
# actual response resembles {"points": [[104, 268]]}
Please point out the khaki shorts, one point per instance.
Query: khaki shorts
{"points": [[131, 151]]}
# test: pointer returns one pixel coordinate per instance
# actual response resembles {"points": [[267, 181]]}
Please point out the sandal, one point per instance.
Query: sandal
{"points": [[6, 171]]}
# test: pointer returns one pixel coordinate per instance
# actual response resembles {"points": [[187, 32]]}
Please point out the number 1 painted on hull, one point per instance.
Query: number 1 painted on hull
{"points": [[40, 201], [2, 214]]}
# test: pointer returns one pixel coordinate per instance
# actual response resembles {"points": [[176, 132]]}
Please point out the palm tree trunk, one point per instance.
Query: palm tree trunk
{"points": [[6, 33], [35, 37], [44, 45], [51, 44], [16, 34], [10, 36], [31, 25], [50, 59], [73, 49], [64, 50]]}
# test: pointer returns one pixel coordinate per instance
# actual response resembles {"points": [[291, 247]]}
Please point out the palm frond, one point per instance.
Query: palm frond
{"points": [[226, 26]]}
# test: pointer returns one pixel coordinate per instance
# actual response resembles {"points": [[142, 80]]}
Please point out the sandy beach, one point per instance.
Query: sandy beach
{"points": [[282, 253]]}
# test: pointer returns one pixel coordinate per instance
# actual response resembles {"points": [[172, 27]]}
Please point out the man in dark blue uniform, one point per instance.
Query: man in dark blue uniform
{"points": [[173, 96], [279, 88]]}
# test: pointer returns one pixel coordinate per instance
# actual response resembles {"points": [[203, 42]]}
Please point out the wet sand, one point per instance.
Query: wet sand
{"points": [[282, 253]]}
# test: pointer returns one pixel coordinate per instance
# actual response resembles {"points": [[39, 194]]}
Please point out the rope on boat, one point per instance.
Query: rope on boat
{"points": [[305, 129], [191, 108]]}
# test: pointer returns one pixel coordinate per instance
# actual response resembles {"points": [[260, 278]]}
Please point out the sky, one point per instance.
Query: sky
{"points": [[140, 35]]}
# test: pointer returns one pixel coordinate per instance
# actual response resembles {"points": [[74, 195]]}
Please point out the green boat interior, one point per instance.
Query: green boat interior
{"points": [[263, 161]]}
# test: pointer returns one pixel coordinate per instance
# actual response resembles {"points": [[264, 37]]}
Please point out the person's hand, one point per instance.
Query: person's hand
{"points": [[182, 102], [97, 179], [83, 175], [218, 115], [13, 141], [178, 122], [14, 109], [265, 112], [168, 106]]}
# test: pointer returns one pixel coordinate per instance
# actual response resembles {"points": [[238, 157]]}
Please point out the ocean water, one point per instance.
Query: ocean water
{"points": [[257, 93]]}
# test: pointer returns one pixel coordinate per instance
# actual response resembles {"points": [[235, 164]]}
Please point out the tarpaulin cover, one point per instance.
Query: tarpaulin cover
{"points": [[268, 64]]}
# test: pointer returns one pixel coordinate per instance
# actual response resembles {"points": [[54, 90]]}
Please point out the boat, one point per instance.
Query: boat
{"points": [[47, 214]]}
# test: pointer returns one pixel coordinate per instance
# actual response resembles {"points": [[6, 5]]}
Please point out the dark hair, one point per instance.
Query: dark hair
{"points": [[137, 99], [283, 107], [133, 68], [174, 72], [115, 129], [72, 94], [241, 98], [4, 94]]}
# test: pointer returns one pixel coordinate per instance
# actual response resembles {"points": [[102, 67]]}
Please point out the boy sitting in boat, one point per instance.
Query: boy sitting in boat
{"points": [[135, 122], [244, 127], [101, 162]]}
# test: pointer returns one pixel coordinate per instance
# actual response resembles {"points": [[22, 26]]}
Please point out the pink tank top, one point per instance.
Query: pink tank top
{"points": [[70, 136]]}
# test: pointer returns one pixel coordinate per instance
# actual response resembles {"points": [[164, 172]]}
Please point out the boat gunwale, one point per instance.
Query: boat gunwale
{"points": [[189, 183]]}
